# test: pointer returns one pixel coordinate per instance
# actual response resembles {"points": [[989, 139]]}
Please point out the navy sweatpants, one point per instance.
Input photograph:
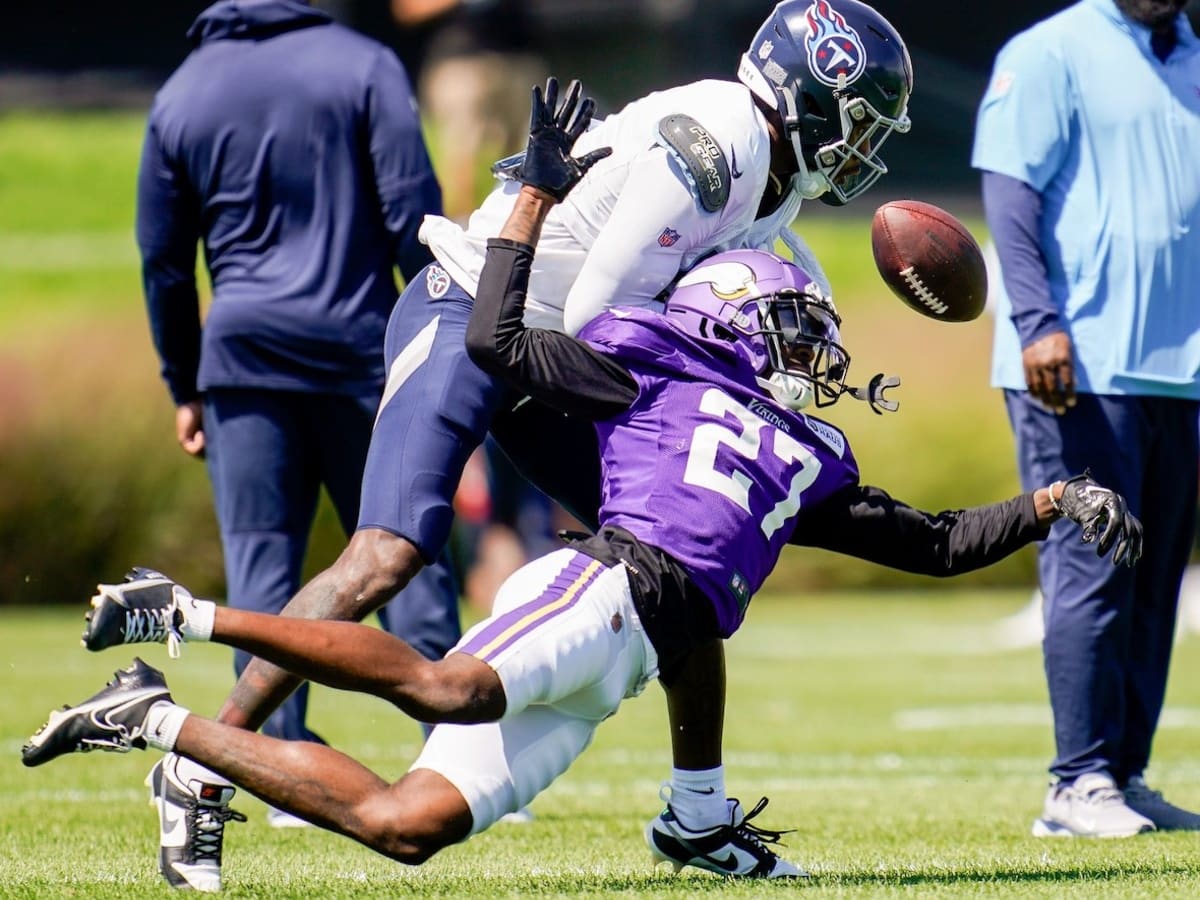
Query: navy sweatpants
{"points": [[1109, 629], [269, 452]]}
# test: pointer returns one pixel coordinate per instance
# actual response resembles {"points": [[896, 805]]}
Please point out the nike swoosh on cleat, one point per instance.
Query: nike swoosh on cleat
{"points": [[733, 169], [729, 863], [170, 826]]}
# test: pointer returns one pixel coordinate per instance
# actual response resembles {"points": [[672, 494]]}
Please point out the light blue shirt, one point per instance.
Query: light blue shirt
{"points": [[1081, 109]]}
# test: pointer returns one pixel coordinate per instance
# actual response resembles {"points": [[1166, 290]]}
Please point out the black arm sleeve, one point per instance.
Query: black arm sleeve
{"points": [[555, 368], [865, 522]]}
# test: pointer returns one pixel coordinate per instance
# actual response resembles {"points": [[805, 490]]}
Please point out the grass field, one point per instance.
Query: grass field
{"points": [[905, 749]]}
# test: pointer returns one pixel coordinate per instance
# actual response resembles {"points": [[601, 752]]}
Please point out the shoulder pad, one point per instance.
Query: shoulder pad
{"points": [[701, 156]]}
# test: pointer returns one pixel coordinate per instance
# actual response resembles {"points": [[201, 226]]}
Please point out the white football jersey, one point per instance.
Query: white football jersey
{"points": [[635, 220]]}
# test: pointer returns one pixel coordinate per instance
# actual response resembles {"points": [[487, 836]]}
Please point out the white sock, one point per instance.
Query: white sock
{"points": [[698, 797], [162, 725], [198, 616]]}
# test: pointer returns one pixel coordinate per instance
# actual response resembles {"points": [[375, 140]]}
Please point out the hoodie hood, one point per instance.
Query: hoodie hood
{"points": [[253, 19]]}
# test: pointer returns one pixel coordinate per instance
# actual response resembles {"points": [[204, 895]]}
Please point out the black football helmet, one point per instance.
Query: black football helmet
{"points": [[839, 76]]}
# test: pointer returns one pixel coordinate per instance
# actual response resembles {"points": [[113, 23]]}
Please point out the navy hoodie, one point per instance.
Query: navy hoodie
{"points": [[291, 147]]}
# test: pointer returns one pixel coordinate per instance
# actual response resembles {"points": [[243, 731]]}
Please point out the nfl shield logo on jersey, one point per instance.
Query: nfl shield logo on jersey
{"points": [[740, 588], [437, 281], [668, 237]]}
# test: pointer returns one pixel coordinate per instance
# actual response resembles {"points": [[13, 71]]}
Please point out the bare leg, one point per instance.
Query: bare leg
{"points": [[407, 821], [372, 568], [696, 708], [355, 657]]}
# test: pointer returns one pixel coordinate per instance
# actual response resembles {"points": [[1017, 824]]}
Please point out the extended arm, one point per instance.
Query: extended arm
{"points": [[867, 523], [554, 368]]}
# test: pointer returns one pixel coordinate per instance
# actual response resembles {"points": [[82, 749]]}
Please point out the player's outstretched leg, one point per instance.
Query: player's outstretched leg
{"points": [[736, 849], [407, 821], [193, 806], [113, 719], [147, 608]]}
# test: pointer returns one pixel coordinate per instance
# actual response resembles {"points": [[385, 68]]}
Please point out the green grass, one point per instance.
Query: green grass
{"points": [[904, 747], [67, 185]]}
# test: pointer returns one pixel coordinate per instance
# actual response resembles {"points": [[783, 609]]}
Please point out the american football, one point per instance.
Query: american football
{"points": [[930, 260]]}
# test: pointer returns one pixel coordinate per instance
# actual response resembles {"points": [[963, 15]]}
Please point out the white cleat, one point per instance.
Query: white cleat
{"points": [[193, 807]]}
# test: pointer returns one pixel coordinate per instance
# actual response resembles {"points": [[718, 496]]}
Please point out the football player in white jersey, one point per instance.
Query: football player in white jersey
{"points": [[694, 170]]}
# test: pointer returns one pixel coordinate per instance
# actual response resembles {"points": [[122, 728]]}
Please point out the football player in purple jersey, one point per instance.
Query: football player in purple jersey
{"points": [[705, 478], [694, 170]]}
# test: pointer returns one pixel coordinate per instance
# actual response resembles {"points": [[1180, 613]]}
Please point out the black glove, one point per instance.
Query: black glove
{"points": [[1103, 514], [553, 130]]}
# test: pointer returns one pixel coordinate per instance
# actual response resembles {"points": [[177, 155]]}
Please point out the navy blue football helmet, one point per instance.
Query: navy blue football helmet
{"points": [[839, 76]]}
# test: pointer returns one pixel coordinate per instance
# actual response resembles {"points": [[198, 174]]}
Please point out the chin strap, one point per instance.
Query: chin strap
{"points": [[872, 394]]}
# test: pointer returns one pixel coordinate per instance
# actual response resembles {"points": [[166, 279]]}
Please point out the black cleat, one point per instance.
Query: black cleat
{"points": [[144, 609], [114, 719], [736, 850]]}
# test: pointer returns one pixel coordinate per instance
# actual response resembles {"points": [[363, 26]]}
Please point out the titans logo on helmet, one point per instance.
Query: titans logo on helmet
{"points": [[834, 48]]}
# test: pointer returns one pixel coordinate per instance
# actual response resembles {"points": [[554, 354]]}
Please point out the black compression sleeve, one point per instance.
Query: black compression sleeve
{"points": [[555, 368], [866, 523]]}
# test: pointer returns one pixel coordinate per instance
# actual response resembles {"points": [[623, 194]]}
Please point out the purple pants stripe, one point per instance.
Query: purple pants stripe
{"points": [[562, 593]]}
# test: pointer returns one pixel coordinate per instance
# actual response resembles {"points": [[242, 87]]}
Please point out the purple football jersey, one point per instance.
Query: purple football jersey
{"points": [[702, 465]]}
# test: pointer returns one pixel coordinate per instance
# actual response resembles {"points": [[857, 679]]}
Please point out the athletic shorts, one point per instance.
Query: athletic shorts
{"points": [[568, 646], [435, 411]]}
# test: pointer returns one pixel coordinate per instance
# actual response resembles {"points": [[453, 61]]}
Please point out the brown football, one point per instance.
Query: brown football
{"points": [[929, 260]]}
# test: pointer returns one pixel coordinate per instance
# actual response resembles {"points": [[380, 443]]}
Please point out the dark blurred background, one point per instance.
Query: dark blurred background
{"points": [[69, 52]]}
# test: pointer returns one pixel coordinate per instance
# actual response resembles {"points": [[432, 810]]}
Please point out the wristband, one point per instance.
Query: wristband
{"points": [[1056, 504]]}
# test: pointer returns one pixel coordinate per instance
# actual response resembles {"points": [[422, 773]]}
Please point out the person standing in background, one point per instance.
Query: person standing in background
{"points": [[1087, 140], [291, 147]]}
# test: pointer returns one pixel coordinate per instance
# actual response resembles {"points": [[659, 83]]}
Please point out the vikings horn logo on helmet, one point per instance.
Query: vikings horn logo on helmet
{"points": [[727, 280]]}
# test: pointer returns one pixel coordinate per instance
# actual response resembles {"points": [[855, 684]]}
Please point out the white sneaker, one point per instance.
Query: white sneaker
{"points": [[1149, 803], [193, 807], [1092, 806]]}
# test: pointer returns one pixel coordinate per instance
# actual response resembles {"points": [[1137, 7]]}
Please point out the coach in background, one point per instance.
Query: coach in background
{"points": [[1087, 139], [291, 147]]}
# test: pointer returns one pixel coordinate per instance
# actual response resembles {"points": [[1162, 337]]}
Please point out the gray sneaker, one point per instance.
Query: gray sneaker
{"points": [[1150, 803], [192, 813], [1091, 806]]}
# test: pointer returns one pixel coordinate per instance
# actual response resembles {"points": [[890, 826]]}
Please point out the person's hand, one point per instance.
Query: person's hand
{"points": [[1104, 517], [189, 428], [553, 129], [1050, 371]]}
